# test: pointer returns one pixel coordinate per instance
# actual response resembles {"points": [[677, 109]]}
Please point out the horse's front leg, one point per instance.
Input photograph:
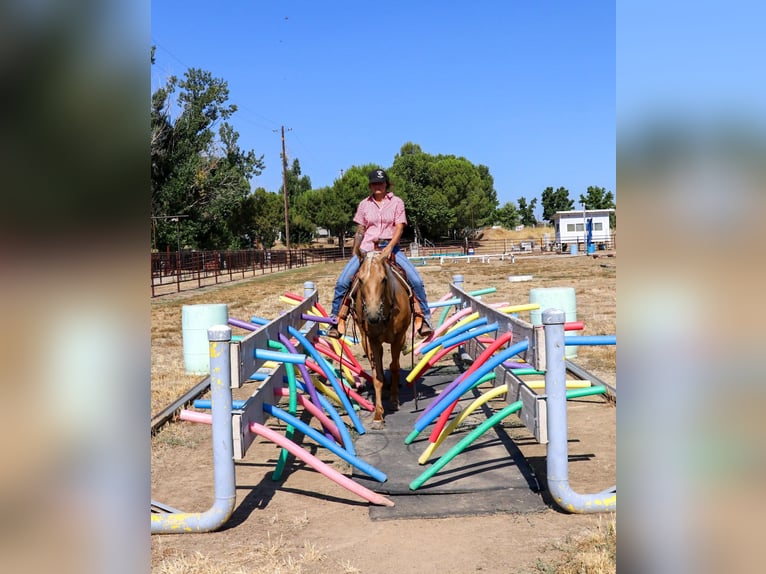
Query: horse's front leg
{"points": [[378, 378]]}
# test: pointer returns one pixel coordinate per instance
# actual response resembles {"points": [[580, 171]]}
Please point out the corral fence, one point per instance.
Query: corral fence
{"points": [[173, 271]]}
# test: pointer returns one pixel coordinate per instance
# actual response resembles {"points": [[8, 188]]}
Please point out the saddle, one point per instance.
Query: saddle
{"points": [[398, 271]]}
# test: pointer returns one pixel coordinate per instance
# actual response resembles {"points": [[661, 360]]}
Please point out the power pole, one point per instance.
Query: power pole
{"points": [[284, 194]]}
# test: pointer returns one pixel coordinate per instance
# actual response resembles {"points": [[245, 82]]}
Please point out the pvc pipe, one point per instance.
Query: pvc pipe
{"points": [[323, 441], [557, 459], [219, 337], [320, 466]]}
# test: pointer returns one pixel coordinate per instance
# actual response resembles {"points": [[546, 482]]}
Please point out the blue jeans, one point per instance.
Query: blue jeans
{"points": [[347, 275]]}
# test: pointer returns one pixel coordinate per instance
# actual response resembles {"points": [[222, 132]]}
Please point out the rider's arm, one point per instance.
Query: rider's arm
{"points": [[358, 236]]}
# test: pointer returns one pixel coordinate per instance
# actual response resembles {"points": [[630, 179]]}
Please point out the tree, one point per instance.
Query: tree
{"points": [[265, 211], [197, 166], [445, 195], [553, 201], [527, 211], [508, 215], [302, 226], [600, 198]]}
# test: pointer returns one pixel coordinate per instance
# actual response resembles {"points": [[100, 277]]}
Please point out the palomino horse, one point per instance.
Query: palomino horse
{"points": [[382, 312]]}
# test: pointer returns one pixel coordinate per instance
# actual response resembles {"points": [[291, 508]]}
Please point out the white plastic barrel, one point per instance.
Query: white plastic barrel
{"points": [[555, 298], [195, 321]]}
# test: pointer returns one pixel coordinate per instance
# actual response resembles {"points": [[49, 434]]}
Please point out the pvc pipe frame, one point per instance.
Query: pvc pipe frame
{"points": [[219, 337], [555, 388]]}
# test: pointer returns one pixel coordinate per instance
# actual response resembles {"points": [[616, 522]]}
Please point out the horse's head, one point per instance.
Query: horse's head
{"points": [[374, 288]]}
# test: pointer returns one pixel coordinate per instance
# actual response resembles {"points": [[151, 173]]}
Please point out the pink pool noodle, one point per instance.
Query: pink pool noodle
{"points": [[299, 452], [364, 403], [327, 351], [320, 466], [326, 421]]}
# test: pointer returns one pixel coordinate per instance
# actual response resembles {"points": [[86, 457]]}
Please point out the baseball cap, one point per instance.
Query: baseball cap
{"points": [[377, 175]]}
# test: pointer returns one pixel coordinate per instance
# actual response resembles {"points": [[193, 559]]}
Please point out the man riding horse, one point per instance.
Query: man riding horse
{"points": [[380, 219]]}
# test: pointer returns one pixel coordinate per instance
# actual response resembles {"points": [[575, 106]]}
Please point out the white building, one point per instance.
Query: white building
{"points": [[574, 226]]}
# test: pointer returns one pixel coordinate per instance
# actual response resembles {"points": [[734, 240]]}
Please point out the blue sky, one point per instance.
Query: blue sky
{"points": [[525, 88]]}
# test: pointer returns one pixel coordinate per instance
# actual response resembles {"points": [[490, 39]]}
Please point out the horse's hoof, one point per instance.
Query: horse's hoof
{"points": [[394, 407], [377, 425]]}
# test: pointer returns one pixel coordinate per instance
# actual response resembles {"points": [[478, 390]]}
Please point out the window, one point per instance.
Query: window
{"points": [[570, 227], [598, 226], [579, 227]]}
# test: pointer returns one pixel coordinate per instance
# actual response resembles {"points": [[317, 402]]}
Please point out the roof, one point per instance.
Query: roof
{"points": [[579, 213]]}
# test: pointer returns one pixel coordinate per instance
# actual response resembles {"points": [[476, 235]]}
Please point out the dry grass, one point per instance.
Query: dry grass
{"points": [[594, 552], [536, 233], [595, 288], [273, 555]]}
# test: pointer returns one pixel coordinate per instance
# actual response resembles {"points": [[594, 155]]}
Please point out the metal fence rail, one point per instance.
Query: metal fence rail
{"points": [[173, 271]]}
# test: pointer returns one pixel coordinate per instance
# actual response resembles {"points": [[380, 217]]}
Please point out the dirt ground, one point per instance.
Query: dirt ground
{"points": [[305, 523]]}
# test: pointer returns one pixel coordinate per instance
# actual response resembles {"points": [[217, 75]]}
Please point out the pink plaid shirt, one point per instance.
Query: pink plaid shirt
{"points": [[379, 221]]}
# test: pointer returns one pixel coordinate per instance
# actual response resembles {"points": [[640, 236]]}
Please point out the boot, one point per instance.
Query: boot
{"points": [[424, 329], [339, 326], [333, 331], [421, 323]]}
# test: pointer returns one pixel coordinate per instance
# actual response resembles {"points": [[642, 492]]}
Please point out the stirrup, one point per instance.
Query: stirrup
{"points": [[335, 330], [422, 326]]}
